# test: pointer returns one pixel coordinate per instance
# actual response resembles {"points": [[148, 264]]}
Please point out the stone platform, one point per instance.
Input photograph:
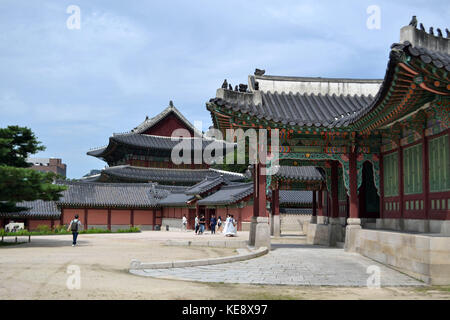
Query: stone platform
{"points": [[291, 264], [423, 256]]}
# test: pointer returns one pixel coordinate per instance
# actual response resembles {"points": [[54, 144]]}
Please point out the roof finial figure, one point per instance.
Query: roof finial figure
{"points": [[431, 31], [243, 87], [448, 33], [236, 88], [439, 32], [230, 87], [413, 22], [171, 103], [259, 72], [422, 27], [225, 84]]}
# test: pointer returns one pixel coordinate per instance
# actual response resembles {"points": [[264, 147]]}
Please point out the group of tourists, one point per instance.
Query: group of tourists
{"points": [[229, 228]]}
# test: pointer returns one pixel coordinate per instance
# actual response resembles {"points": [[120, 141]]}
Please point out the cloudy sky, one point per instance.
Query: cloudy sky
{"points": [[75, 88]]}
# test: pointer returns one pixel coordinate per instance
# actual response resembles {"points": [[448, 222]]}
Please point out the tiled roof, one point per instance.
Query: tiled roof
{"points": [[158, 142], [228, 194], [306, 105], [111, 194], [205, 185], [39, 209], [296, 210], [295, 197], [187, 176], [176, 199], [439, 60], [302, 173], [436, 58], [297, 109]]}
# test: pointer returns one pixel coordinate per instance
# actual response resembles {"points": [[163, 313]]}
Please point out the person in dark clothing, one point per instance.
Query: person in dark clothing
{"points": [[74, 226], [212, 223], [202, 224], [219, 224]]}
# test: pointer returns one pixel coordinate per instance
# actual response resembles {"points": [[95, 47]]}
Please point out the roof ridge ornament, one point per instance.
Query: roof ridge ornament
{"points": [[413, 22], [259, 72]]}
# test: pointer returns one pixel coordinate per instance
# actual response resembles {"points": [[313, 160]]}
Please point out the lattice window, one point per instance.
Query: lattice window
{"points": [[412, 169], [390, 168], [439, 164]]}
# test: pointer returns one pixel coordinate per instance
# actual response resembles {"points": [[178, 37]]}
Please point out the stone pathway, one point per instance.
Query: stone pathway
{"points": [[291, 264]]}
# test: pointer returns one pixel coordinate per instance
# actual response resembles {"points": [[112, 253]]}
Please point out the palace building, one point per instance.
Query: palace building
{"points": [[368, 159], [142, 186], [383, 146]]}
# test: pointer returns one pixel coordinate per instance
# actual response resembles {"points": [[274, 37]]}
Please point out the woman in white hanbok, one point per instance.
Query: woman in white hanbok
{"points": [[230, 227], [226, 224]]}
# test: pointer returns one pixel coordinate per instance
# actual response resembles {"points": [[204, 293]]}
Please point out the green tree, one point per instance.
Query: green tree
{"points": [[234, 167], [18, 182]]}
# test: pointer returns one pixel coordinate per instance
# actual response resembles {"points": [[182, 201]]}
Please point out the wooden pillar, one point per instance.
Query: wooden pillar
{"points": [[400, 180], [353, 185], [52, 224], [154, 217], [61, 218], [259, 194], [86, 212], [425, 175], [239, 226], [381, 187], [109, 219], [132, 217], [276, 202], [320, 203], [334, 190], [314, 205], [255, 191]]}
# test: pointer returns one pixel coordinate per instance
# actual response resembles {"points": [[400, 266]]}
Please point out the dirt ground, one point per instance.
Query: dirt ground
{"points": [[38, 270]]}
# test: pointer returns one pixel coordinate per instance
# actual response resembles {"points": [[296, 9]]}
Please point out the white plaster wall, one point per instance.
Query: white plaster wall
{"points": [[326, 86]]}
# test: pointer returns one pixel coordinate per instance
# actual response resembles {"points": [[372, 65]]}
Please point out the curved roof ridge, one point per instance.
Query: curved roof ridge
{"points": [[316, 79], [150, 122]]}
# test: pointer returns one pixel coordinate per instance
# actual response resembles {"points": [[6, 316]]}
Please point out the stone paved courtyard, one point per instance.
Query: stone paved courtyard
{"points": [[291, 264]]}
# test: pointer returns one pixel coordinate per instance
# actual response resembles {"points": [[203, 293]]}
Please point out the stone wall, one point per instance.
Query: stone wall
{"points": [[415, 225], [293, 222], [422, 256], [172, 223], [330, 234]]}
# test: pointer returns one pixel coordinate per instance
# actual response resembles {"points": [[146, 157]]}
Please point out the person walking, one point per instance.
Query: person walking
{"points": [[74, 226], [212, 223], [197, 224], [202, 224], [184, 223]]}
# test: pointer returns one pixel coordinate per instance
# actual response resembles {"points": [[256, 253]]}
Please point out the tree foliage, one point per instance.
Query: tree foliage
{"points": [[16, 143], [18, 182]]}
